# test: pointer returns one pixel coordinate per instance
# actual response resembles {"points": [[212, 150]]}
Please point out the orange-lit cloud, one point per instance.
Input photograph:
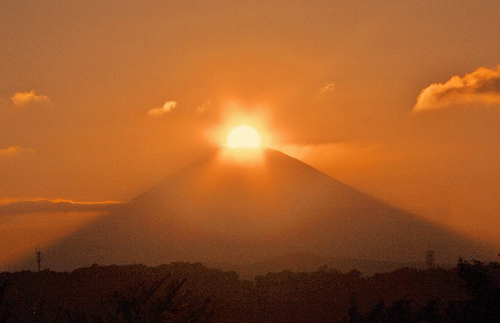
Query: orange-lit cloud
{"points": [[14, 150], [166, 108], [14, 206], [352, 154], [481, 86], [328, 88], [204, 107], [24, 98]]}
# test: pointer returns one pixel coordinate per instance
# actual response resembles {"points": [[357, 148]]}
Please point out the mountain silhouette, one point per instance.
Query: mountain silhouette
{"points": [[222, 210]]}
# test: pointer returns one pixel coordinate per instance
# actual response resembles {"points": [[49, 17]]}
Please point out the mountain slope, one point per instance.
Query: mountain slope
{"points": [[219, 210]]}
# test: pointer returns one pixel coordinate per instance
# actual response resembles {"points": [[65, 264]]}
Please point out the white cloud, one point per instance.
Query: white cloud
{"points": [[481, 86], [166, 108], [23, 98]]}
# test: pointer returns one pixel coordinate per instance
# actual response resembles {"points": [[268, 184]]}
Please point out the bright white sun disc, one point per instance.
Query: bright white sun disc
{"points": [[243, 137]]}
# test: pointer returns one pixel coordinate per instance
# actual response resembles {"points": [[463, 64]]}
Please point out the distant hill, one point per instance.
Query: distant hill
{"points": [[219, 210], [302, 262]]}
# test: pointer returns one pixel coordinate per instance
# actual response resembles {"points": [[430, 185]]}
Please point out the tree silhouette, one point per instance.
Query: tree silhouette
{"points": [[4, 308], [484, 302], [153, 302], [353, 314]]}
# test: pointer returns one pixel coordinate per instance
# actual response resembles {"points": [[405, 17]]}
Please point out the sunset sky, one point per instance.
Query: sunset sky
{"points": [[99, 100]]}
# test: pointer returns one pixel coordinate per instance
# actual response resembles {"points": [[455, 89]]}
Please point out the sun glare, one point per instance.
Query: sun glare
{"points": [[243, 137]]}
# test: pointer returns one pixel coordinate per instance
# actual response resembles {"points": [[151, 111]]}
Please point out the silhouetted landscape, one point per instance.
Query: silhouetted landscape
{"points": [[256, 227], [191, 292], [249, 161]]}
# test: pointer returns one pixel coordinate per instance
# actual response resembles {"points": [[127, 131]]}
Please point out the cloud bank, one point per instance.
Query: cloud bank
{"points": [[24, 98], [166, 108], [45, 205], [481, 86]]}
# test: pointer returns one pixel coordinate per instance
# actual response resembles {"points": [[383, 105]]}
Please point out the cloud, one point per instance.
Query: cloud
{"points": [[23, 98], [349, 153], [14, 150], [481, 86], [328, 88], [204, 107], [166, 108], [13, 206], [9, 151], [343, 159]]}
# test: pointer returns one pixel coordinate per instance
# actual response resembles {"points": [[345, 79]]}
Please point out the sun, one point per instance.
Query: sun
{"points": [[243, 137]]}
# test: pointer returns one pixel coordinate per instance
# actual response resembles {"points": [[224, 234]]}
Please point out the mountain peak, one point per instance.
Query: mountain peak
{"points": [[219, 210]]}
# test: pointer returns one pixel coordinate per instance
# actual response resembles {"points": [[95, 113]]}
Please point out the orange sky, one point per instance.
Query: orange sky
{"points": [[99, 100]]}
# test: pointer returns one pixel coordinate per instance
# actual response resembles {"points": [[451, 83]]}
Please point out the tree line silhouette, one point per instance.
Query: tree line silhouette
{"points": [[191, 292]]}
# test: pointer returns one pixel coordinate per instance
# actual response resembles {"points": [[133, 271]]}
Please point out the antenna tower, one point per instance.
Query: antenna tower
{"points": [[38, 258], [430, 259]]}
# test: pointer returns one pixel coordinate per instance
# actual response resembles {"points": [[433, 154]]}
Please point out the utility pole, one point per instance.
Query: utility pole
{"points": [[38, 258]]}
